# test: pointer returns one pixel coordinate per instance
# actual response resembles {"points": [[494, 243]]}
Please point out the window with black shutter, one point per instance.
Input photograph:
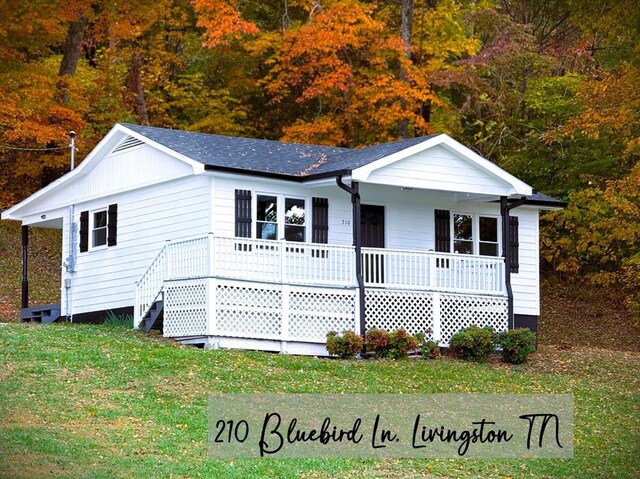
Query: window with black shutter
{"points": [[443, 235], [84, 231], [99, 228], [443, 231], [514, 244], [112, 225], [320, 218], [243, 214], [320, 225]]}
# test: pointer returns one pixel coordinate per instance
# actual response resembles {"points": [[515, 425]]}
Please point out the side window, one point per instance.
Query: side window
{"points": [[98, 228]]}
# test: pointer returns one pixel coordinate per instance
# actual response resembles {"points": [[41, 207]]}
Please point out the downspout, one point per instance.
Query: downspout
{"points": [[25, 267], [505, 208], [357, 243]]}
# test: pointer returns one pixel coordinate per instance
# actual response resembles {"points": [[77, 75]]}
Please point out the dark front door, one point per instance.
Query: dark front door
{"points": [[372, 227]]}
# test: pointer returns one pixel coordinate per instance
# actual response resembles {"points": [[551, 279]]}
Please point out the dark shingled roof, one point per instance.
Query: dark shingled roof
{"points": [[247, 154], [351, 159], [275, 158], [544, 200]]}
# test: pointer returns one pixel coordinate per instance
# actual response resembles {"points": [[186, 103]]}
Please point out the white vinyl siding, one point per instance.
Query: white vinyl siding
{"points": [[438, 168], [105, 278], [132, 168]]}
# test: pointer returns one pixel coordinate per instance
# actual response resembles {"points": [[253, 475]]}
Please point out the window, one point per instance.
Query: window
{"points": [[270, 221], [488, 245], [294, 219], [462, 234], [475, 234], [99, 228], [267, 217]]}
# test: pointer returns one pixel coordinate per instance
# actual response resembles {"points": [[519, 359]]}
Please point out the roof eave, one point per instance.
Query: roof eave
{"points": [[277, 176]]}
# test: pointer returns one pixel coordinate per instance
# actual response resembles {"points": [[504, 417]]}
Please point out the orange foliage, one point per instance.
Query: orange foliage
{"points": [[343, 66], [222, 22]]}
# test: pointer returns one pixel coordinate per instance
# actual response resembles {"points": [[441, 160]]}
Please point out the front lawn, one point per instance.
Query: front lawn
{"points": [[107, 402]]}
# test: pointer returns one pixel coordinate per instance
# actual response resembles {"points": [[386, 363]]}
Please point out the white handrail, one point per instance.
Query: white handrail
{"points": [[149, 286]]}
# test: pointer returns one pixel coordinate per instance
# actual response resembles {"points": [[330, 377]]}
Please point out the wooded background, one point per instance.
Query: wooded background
{"points": [[547, 89]]}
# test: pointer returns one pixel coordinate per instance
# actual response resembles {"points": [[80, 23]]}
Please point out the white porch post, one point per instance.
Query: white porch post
{"points": [[436, 318]]}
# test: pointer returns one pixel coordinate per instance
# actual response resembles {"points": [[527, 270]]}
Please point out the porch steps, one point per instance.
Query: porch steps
{"points": [[44, 314], [154, 317]]}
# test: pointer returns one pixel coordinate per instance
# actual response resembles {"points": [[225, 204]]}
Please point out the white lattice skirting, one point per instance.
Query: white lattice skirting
{"points": [[443, 314], [186, 307], [240, 309], [304, 314]]}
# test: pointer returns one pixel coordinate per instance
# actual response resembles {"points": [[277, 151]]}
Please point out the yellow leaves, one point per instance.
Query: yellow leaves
{"points": [[598, 236]]}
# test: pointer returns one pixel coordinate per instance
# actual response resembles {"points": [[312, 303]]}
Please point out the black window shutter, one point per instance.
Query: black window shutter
{"points": [[514, 244], [443, 231], [112, 225], [84, 231], [320, 219], [243, 214]]}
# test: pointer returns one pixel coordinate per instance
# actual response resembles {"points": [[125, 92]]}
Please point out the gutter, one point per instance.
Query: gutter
{"points": [[278, 176], [505, 207], [357, 243]]}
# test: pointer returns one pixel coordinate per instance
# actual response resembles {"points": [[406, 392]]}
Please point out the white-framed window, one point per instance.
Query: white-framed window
{"points": [[473, 233], [98, 228], [267, 217], [281, 217]]}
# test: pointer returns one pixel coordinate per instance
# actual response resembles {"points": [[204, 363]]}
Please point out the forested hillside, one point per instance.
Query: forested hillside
{"points": [[547, 89]]}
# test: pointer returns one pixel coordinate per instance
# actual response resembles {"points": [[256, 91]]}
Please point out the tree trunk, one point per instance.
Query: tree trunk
{"points": [[407, 21], [134, 84], [71, 55]]}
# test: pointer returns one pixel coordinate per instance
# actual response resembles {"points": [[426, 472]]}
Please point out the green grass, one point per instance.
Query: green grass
{"points": [[82, 401]]}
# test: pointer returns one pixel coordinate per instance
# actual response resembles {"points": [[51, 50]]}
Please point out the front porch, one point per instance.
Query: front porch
{"points": [[285, 296]]}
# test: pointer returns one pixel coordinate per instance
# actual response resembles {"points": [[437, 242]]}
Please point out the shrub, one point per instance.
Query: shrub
{"points": [[473, 343], [377, 341], [430, 349], [345, 346], [516, 344], [400, 343]]}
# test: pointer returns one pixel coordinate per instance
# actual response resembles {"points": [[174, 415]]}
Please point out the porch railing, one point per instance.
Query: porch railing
{"points": [[316, 264], [283, 261], [428, 270]]}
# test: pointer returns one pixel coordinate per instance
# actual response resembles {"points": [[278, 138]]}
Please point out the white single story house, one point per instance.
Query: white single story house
{"points": [[244, 243]]}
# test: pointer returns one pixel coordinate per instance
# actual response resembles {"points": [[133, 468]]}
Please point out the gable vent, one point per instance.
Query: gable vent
{"points": [[129, 142]]}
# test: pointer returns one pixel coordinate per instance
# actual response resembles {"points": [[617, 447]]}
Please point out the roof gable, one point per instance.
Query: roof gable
{"points": [[448, 166]]}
